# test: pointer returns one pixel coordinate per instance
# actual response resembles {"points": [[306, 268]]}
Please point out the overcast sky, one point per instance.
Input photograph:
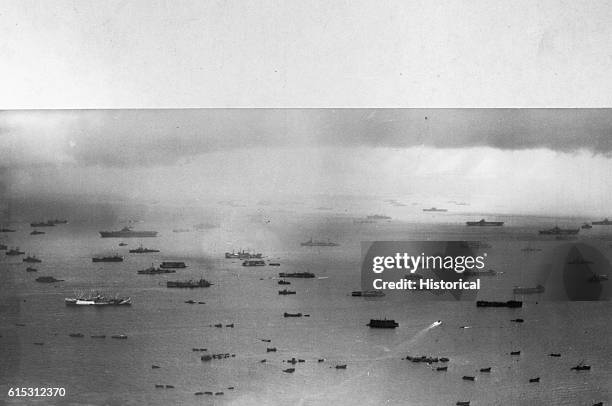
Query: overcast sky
{"points": [[313, 53], [524, 160]]}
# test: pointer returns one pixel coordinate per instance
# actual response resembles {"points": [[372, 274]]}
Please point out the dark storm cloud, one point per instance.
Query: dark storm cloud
{"points": [[162, 137], [117, 138], [564, 130]]}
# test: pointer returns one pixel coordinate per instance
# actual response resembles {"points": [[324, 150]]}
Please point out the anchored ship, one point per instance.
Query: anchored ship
{"points": [[375, 323], [114, 258], [296, 275], [484, 223], [435, 209], [48, 223], [254, 262], [368, 293], [315, 243], [15, 251], [171, 264], [527, 291], [475, 244], [141, 250], [127, 232], [509, 303], [243, 255], [36, 232], [32, 259], [560, 231], [154, 271], [97, 299], [48, 279], [202, 283], [378, 217], [604, 222]]}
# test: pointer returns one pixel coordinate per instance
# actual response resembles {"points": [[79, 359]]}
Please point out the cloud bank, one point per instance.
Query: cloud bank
{"points": [[126, 138]]}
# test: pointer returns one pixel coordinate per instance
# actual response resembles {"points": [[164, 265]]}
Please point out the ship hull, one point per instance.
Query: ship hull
{"points": [[296, 275], [172, 265], [84, 302], [133, 234], [383, 324], [188, 284], [560, 232], [485, 224]]}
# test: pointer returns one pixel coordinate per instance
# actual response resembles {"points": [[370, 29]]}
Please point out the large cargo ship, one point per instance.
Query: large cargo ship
{"points": [[141, 250], [154, 271], [97, 300], [374, 323], [315, 243], [509, 303], [127, 232], [254, 262], [526, 290], [560, 231], [172, 264], [368, 293], [243, 255], [435, 209], [484, 223], [296, 275], [114, 258], [32, 259], [378, 217], [202, 283], [48, 223], [48, 279], [604, 222]]}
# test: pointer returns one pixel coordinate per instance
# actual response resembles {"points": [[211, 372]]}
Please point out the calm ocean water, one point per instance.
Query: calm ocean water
{"points": [[163, 329]]}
